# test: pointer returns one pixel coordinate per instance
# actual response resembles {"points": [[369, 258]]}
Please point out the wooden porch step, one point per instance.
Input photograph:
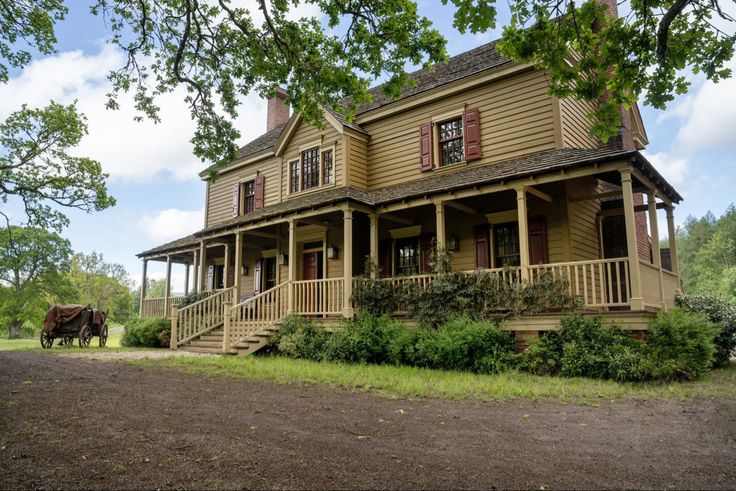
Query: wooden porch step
{"points": [[198, 343], [198, 349], [210, 337]]}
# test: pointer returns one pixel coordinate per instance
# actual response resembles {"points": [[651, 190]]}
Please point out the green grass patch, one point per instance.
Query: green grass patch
{"points": [[412, 382], [34, 344]]}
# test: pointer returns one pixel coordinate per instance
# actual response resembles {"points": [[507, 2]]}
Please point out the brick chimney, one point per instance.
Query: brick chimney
{"points": [[278, 110], [625, 139]]}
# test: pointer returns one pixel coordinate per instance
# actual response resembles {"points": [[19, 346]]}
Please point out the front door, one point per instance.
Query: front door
{"points": [[311, 270]]}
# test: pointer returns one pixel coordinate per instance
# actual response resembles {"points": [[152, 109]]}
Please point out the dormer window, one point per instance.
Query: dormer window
{"points": [[451, 141]]}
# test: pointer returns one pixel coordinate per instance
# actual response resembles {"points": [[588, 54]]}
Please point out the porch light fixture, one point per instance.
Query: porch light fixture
{"points": [[244, 270], [453, 244], [332, 252], [283, 259]]}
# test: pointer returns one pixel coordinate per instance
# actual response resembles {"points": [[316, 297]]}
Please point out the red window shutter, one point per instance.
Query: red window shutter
{"points": [[259, 193], [471, 134], [425, 146], [482, 247], [384, 258], [236, 200], [538, 241]]}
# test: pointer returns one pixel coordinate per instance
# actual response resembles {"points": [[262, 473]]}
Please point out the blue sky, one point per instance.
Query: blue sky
{"points": [[153, 174]]}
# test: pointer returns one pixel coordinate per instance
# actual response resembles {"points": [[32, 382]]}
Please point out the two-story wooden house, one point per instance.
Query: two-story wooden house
{"points": [[476, 157]]}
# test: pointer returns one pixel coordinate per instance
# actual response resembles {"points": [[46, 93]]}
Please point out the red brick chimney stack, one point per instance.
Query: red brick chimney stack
{"points": [[278, 110]]}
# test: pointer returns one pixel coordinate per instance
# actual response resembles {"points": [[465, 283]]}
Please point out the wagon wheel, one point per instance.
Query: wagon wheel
{"points": [[103, 336], [85, 335], [46, 340]]}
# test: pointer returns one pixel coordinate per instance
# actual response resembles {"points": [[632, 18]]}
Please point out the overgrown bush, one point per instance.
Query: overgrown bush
{"points": [[365, 339], [463, 344], [299, 337], [679, 345], [193, 298], [483, 295], [722, 314], [145, 333], [584, 347], [373, 295]]}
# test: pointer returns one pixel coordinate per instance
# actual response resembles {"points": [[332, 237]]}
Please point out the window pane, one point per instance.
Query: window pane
{"points": [[327, 167], [507, 245], [451, 142], [310, 167], [407, 257], [250, 196], [294, 176]]}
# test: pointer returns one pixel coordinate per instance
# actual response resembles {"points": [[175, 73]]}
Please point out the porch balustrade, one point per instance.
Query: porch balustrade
{"points": [[156, 307], [650, 284], [598, 283], [319, 297], [255, 314], [200, 317]]}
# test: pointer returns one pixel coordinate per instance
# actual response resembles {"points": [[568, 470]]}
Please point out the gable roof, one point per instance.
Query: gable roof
{"points": [[457, 67]]}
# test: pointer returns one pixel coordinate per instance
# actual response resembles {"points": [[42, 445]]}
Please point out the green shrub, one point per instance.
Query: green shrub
{"points": [[679, 345], [374, 297], [299, 337], [722, 314], [463, 344], [144, 333], [542, 357], [193, 298], [583, 347], [365, 339]]}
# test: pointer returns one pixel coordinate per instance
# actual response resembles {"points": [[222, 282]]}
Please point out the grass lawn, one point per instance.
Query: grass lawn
{"points": [[408, 382], [34, 344]]}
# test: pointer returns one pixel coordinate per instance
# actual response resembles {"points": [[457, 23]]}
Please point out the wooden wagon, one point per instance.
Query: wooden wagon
{"points": [[67, 322]]}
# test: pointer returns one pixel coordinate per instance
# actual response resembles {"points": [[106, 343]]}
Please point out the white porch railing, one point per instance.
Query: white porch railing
{"points": [[650, 284], [319, 297], [200, 317], [671, 287], [598, 283], [256, 313]]}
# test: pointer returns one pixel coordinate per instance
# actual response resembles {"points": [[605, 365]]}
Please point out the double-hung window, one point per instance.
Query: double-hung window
{"points": [[249, 199], [506, 243], [407, 256], [310, 168], [451, 141], [314, 168]]}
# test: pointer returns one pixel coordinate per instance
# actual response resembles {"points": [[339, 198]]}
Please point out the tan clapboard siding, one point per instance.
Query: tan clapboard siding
{"points": [[357, 165], [219, 206], [583, 220], [335, 266], [516, 118], [576, 125], [304, 135]]}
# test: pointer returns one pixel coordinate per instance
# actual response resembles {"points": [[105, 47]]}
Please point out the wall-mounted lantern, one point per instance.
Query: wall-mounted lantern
{"points": [[244, 270], [453, 244], [332, 252], [283, 259]]}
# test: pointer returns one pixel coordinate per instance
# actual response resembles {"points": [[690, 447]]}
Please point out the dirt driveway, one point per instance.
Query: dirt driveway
{"points": [[72, 423]]}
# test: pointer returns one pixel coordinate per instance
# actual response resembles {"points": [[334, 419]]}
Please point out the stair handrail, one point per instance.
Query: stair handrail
{"points": [[200, 317], [274, 302]]}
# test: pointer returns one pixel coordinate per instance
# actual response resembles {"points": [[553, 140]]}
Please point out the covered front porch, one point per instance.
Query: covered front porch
{"points": [[585, 226]]}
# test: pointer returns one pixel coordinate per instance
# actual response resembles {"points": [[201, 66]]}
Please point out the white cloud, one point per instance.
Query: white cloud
{"points": [[711, 119], [672, 168], [128, 150], [166, 225]]}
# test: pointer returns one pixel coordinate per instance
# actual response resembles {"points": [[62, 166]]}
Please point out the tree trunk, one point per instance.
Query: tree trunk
{"points": [[14, 329]]}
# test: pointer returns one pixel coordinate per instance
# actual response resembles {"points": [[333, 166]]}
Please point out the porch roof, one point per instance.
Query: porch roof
{"points": [[534, 164]]}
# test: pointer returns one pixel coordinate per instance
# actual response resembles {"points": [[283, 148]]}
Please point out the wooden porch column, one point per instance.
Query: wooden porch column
{"points": [[195, 272], [523, 233], [202, 270], [656, 254], [167, 288], [238, 265], [374, 244], [144, 284], [226, 269], [439, 213], [347, 262], [186, 279], [636, 300], [292, 264], [672, 232]]}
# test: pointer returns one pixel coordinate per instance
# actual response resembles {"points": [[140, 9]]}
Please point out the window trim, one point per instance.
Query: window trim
{"points": [[461, 138], [438, 119], [297, 157]]}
